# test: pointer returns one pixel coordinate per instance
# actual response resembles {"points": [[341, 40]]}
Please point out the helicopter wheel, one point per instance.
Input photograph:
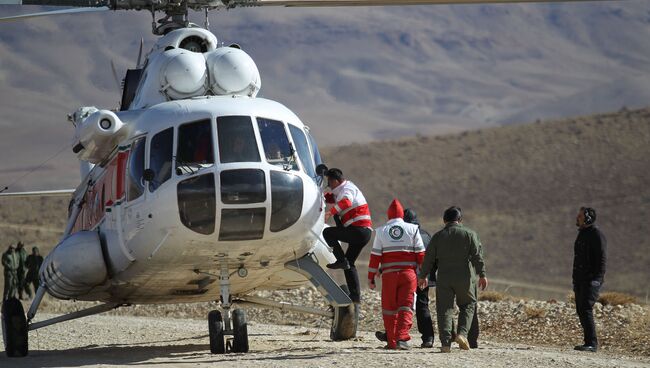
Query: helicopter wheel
{"points": [[240, 332], [215, 328], [346, 319], [14, 328]]}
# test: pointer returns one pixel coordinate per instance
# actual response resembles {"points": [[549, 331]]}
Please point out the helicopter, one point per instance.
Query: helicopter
{"points": [[195, 190]]}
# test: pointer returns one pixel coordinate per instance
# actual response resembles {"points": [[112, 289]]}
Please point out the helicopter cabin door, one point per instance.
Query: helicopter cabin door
{"points": [[135, 204]]}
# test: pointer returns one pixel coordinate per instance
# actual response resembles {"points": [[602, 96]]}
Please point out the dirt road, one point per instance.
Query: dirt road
{"points": [[108, 341]]}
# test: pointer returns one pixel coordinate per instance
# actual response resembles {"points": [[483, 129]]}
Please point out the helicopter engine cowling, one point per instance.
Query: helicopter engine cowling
{"points": [[75, 266], [233, 72], [184, 74], [97, 134]]}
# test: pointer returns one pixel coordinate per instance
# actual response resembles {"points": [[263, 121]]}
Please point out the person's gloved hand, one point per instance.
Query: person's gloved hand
{"points": [[371, 284], [329, 198]]}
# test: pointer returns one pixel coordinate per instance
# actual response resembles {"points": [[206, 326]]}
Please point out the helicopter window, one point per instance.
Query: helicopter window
{"points": [[242, 224], [286, 200], [160, 160], [135, 187], [314, 149], [236, 139], [277, 148], [194, 147], [243, 186], [303, 149], [197, 203]]}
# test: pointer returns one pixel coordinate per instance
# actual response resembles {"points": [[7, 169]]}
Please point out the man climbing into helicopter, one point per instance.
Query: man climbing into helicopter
{"points": [[353, 226]]}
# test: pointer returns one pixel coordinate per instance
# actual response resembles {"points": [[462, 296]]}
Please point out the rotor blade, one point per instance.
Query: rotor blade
{"points": [[41, 193], [328, 3], [54, 12]]}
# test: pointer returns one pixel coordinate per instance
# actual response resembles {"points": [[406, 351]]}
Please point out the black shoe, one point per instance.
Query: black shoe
{"points": [[339, 265], [589, 348], [473, 344], [427, 344], [381, 336]]}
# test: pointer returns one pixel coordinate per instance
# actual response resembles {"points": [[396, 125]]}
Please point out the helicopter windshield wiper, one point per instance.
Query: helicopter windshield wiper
{"points": [[184, 164]]}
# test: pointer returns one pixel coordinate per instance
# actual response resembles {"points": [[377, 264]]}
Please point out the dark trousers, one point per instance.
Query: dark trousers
{"points": [[357, 238], [423, 315], [586, 296]]}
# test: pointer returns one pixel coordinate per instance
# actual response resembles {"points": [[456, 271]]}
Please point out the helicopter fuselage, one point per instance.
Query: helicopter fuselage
{"points": [[233, 183]]}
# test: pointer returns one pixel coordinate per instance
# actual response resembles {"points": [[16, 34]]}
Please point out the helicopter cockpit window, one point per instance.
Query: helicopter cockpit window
{"points": [[277, 148], [194, 150], [303, 149], [160, 157], [135, 185], [314, 150], [237, 139]]}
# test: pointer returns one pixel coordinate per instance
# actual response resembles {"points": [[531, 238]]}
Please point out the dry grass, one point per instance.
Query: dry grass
{"points": [[492, 296], [534, 312], [614, 298]]}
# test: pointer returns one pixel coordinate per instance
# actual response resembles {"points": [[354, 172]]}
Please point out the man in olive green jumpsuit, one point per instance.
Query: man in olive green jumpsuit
{"points": [[456, 251], [21, 253], [10, 265]]}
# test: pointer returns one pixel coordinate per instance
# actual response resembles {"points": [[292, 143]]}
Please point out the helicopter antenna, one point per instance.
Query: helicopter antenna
{"points": [[117, 80], [140, 52], [207, 19]]}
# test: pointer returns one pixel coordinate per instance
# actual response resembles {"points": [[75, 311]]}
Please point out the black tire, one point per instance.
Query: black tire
{"points": [[14, 328], [240, 332], [215, 328], [346, 320]]}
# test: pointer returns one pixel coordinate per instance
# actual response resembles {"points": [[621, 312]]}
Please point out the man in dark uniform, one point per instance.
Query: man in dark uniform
{"points": [[456, 250], [33, 264], [10, 265], [590, 257]]}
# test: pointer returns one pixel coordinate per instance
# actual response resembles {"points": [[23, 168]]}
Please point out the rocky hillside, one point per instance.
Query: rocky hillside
{"points": [[520, 187]]}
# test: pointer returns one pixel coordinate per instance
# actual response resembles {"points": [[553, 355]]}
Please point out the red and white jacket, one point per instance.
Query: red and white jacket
{"points": [[350, 205], [397, 246]]}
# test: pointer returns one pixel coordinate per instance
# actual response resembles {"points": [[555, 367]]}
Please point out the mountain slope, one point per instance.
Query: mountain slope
{"points": [[520, 187]]}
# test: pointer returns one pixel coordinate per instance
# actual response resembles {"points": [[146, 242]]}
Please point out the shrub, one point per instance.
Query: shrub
{"points": [[534, 312], [614, 298], [492, 296]]}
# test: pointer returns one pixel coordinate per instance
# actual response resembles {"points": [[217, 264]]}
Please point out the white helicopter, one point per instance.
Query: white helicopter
{"points": [[195, 191]]}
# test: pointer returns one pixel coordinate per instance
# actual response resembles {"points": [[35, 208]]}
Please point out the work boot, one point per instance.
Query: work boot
{"points": [[462, 342], [381, 336], [445, 349], [589, 348], [427, 344], [403, 345], [339, 265]]}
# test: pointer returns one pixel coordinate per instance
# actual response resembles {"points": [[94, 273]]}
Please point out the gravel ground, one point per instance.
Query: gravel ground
{"points": [[513, 332], [106, 341]]}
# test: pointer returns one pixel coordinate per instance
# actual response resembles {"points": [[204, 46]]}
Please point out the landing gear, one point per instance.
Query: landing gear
{"points": [[14, 328], [221, 324], [346, 320], [215, 327], [239, 331]]}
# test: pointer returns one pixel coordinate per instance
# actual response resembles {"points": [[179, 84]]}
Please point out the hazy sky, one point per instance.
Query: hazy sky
{"points": [[352, 75]]}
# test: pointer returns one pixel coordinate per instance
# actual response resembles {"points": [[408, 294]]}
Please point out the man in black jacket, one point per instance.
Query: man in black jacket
{"points": [[588, 273]]}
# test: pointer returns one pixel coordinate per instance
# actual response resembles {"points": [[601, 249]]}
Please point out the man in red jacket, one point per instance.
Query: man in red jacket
{"points": [[353, 226], [398, 248]]}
